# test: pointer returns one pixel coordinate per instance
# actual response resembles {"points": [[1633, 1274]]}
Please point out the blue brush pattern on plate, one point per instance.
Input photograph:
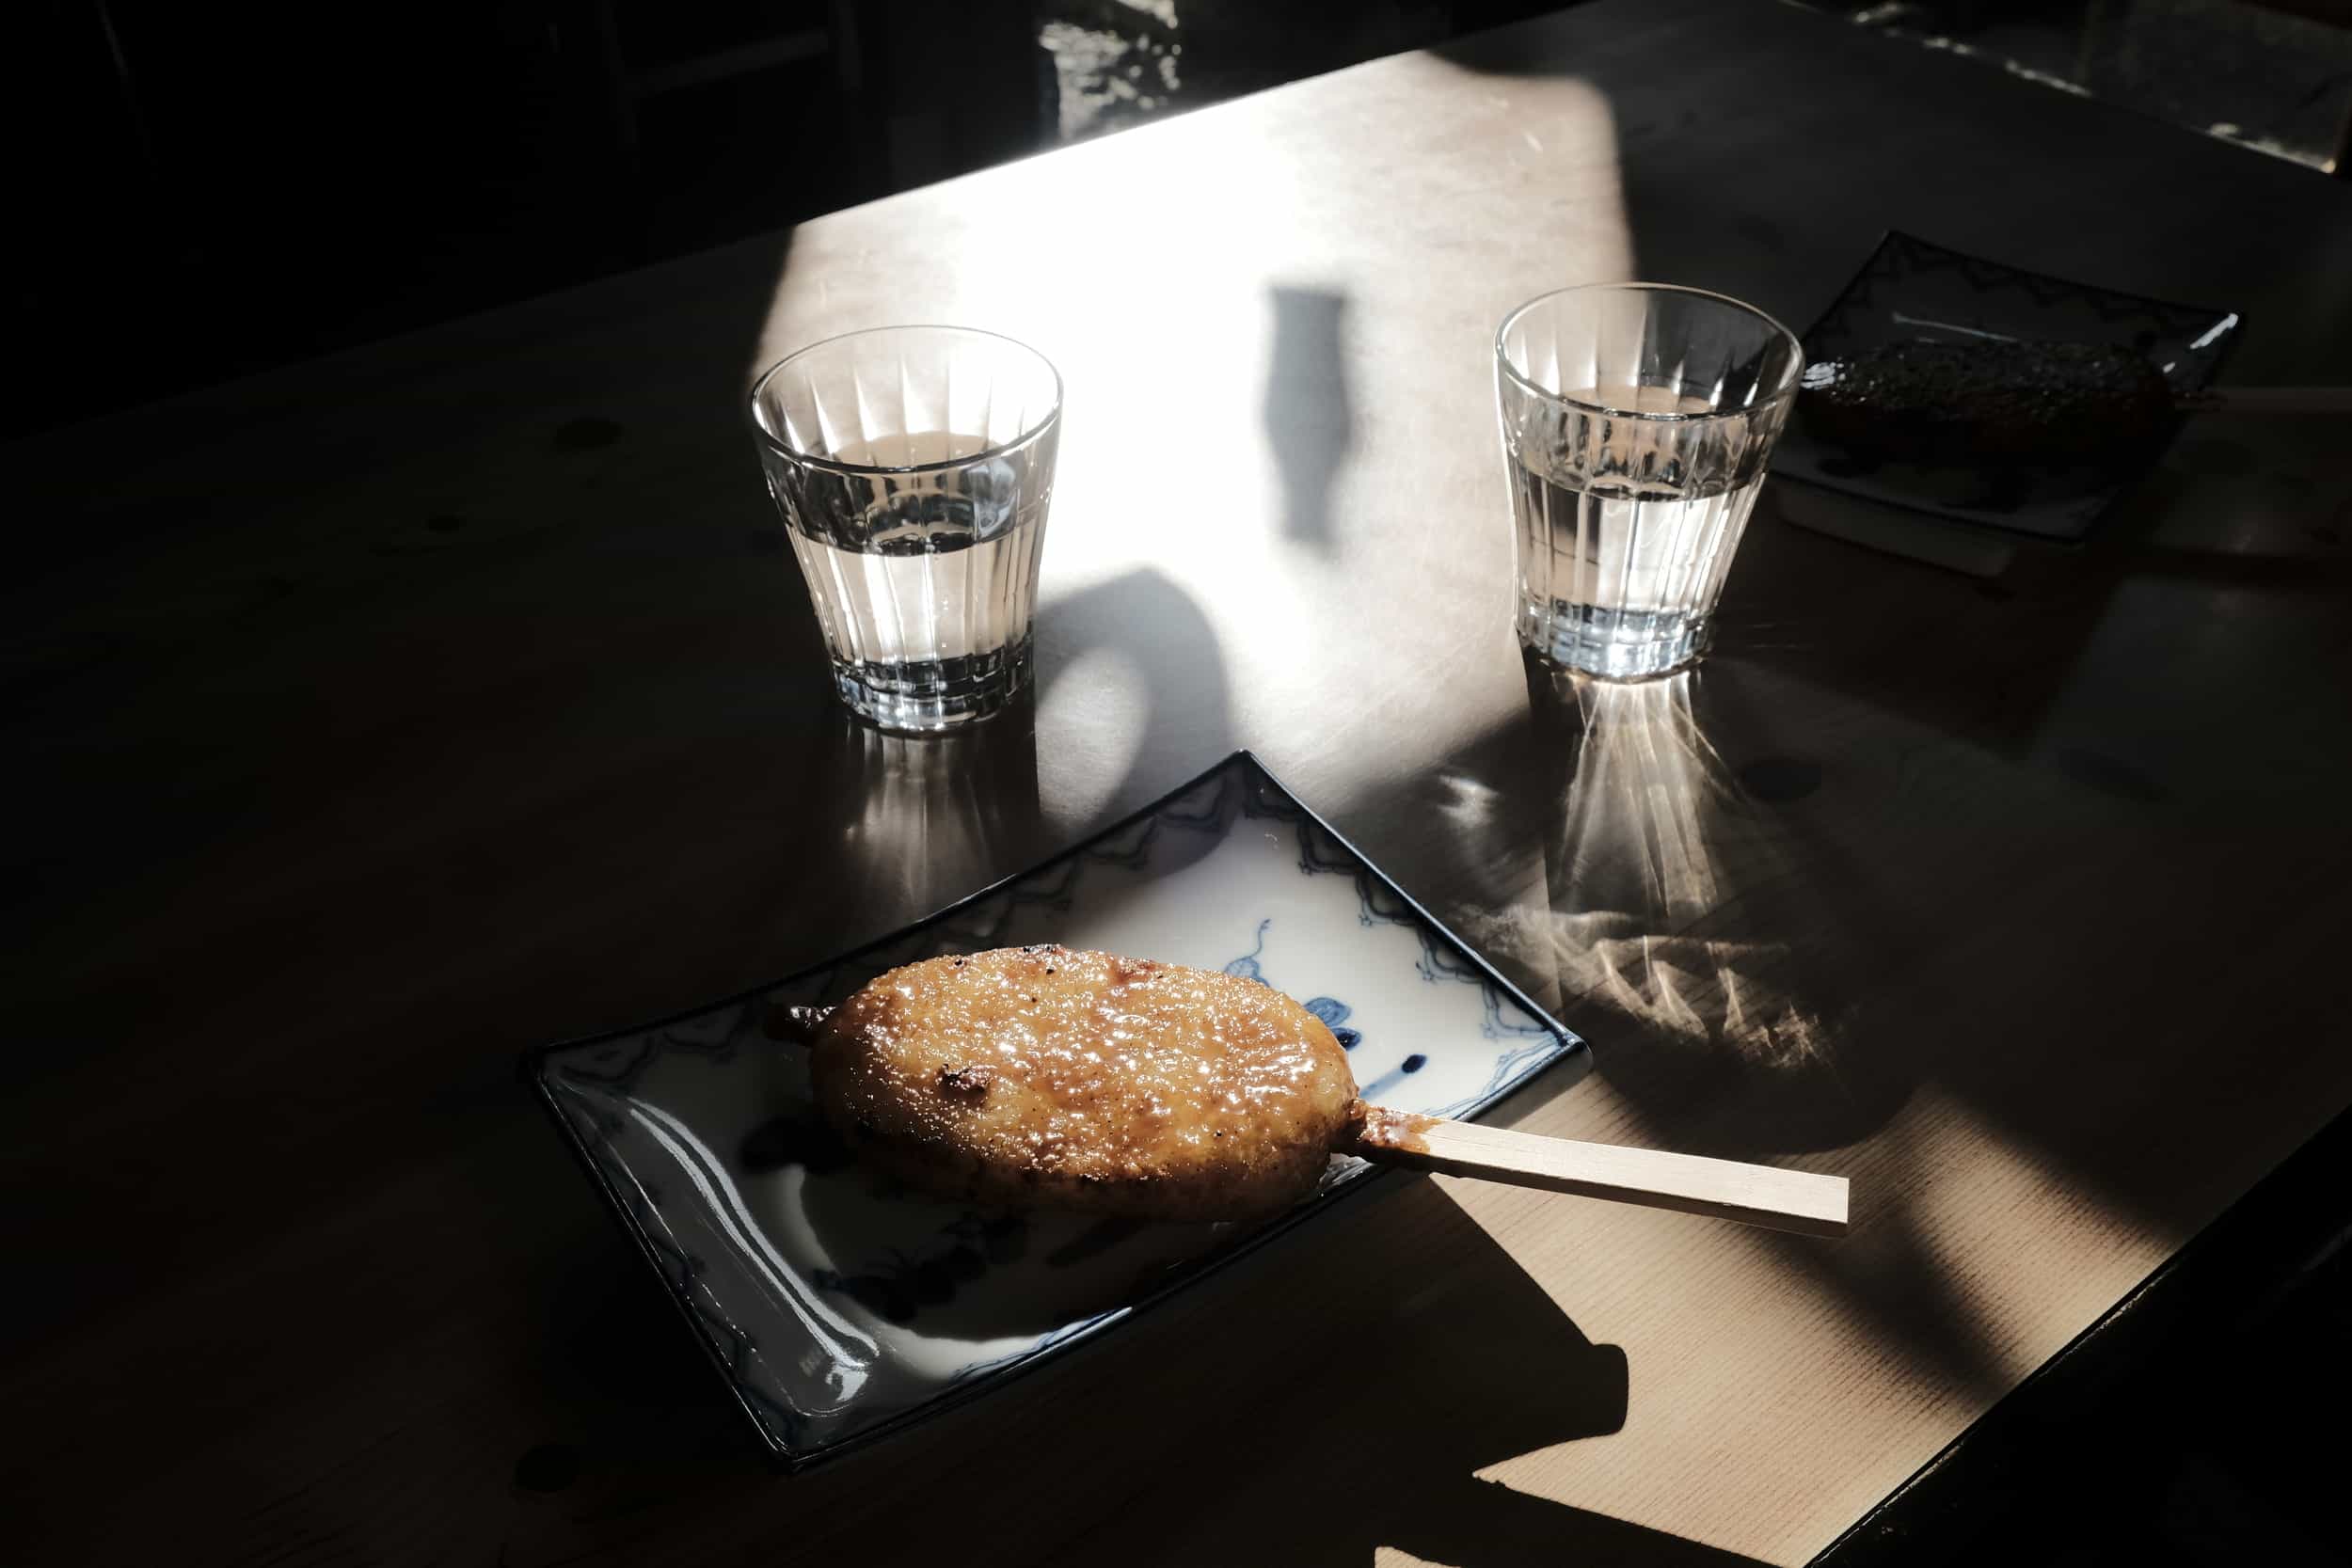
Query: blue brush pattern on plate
{"points": [[838, 1305]]}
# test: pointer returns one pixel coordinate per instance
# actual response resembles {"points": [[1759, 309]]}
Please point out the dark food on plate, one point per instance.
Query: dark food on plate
{"points": [[1048, 1077], [1993, 402]]}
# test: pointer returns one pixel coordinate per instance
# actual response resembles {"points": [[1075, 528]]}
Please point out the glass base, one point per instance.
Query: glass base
{"points": [[1613, 645], [926, 696]]}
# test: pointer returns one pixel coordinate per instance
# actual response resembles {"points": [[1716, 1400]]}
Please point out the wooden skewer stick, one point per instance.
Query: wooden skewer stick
{"points": [[1725, 1189]]}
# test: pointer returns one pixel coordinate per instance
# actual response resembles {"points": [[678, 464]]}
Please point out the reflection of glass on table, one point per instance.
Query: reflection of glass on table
{"points": [[914, 467]]}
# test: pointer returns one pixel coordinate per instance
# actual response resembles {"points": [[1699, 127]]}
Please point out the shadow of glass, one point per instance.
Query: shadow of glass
{"points": [[1679, 919], [1132, 697], [1674, 901], [919, 821], [1309, 423]]}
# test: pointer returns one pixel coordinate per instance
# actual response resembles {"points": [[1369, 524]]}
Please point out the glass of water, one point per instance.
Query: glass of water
{"points": [[913, 466], [1636, 421]]}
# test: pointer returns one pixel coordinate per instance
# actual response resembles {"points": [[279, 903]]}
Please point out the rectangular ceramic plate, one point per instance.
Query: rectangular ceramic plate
{"points": [[1911, 289], [837, 1308]]}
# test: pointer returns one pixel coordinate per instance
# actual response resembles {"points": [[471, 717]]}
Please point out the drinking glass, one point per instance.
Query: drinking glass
{"points": [[1637, 419], [914, 467]]}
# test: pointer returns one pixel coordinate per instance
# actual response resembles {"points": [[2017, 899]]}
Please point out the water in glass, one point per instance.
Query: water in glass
{"points": [[913, 467], [1617, 578], [1637, 420], [924, 584]]}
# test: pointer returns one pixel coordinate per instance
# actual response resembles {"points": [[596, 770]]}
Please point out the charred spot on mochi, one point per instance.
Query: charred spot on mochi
{"points": [[973, 1079]]}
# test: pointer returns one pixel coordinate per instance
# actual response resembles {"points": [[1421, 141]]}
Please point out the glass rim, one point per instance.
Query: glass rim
{"points": [[1796, 371], [782, 448]]}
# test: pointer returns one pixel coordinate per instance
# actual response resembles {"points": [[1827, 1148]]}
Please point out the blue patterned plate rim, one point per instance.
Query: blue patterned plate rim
{"points": [[793, 1461], [1894, 239]]}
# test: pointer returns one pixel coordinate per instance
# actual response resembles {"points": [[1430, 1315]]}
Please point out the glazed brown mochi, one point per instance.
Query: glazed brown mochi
{"points": [[1049, 1077]]}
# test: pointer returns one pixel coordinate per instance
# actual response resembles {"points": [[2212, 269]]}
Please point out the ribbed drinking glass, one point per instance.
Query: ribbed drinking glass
{"points": [[914, 467], [1637, 420]]}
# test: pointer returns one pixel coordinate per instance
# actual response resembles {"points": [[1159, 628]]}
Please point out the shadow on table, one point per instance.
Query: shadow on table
{"points": [[1133, 696], [1723, 973], [1421, 1355], [1308, 423], [1674, 897], [1480, 1524], [1411, 1351], [1779, 892], [1679, 899]]}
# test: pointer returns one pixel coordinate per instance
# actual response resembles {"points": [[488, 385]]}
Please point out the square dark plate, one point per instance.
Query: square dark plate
{"points": [[837, 1308], [1912, 289]]}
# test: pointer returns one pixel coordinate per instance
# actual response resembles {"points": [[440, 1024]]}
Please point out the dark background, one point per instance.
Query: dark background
{"points": [[204, 191], [209, 190]]}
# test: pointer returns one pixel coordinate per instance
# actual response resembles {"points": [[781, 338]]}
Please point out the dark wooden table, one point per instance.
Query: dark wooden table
{"points": [[388, 716]]}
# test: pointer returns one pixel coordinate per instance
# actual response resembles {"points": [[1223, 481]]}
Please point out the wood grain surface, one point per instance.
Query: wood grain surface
{"points": [[384, 716]]}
